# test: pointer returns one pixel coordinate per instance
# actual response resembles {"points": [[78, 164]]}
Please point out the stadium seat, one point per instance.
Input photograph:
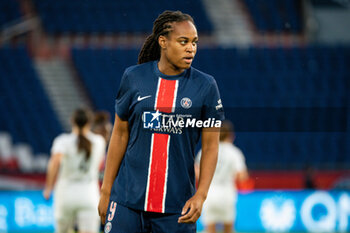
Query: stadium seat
{"points": [[275, 15], [110, 16], [24, 104]]}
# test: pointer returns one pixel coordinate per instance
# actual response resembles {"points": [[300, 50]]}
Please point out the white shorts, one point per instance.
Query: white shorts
{"points": [[219, 207], [77, 205]]}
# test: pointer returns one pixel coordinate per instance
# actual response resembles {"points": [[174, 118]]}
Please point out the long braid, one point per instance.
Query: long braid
{"points": [[150, 50], [161, 27]]}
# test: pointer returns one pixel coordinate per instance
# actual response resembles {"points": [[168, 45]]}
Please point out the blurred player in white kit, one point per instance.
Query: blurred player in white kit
{"points": [[75, 160], [220, 205]]}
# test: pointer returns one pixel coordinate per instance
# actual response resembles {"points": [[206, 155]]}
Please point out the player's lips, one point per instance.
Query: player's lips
{"points": [[188, 59]]}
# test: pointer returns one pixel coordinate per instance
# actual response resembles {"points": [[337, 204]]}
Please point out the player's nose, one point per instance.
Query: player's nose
{"points": [[191, 48]]}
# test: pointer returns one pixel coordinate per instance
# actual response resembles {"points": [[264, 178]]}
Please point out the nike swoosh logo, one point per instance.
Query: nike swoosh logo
{"points": [[139, 98]]}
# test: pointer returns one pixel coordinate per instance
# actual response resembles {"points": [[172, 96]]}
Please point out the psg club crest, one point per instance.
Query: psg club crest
{"points": [[186, 103], [108, 227]]}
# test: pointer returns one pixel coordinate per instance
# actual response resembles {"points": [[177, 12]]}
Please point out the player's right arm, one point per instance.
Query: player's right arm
{"points": [[241, 167], [116, 150], [52, 173]]}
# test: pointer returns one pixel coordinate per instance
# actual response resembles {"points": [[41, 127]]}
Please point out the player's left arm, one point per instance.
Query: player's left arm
{"points": [[52, 172], [210, 144]]}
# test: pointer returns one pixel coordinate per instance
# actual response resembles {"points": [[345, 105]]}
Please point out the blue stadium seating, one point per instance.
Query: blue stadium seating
{"points": [[26, 112], [9, 11], [113, 16], [276, 15], [101, 71], [289, 106]]}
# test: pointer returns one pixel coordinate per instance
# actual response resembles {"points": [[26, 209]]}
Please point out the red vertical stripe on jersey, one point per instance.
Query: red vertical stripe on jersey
{"points": [[158, 170], [165, 97], [157, 174]]}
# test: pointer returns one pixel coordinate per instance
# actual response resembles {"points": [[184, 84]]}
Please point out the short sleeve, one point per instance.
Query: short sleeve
{"points": [[240, 161], [212, 104], [58, 146], [123, 100], [100, 145]]}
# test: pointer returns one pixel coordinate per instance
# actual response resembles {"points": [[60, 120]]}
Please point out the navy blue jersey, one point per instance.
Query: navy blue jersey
{"points": [[165, 116]]}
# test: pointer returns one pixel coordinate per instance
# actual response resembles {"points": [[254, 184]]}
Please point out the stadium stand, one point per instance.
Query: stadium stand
{"points": [[109, 16], [275, 15], [289, 105], [299, 95], [101, 71], [23, 102]]}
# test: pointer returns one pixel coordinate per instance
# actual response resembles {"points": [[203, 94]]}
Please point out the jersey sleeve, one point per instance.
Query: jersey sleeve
{"points": [[101, 148], [58, 146], [212, 105], [123, 100], [240, 161]]}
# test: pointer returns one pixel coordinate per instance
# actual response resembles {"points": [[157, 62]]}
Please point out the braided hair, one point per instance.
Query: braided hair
{"points": [[161, 27]]}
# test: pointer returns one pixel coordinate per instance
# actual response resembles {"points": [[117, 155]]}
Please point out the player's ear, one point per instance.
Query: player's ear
{"points": [[162, 42]]}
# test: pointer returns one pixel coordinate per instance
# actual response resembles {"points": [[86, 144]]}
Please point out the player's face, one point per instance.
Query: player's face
{"points": [[181, 46]]}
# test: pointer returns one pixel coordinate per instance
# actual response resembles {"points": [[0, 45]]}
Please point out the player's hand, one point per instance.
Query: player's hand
{"points": [[47, 193], [192, 209], [103, 206]]}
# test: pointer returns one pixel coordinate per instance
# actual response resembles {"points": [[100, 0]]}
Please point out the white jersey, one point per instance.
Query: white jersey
{"points": [[74, 165], [222, 194], [230, 162]]}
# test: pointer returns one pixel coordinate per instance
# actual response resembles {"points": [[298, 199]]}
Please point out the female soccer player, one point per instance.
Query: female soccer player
{"points": [[75, 161], [102, 125], [219, 208], [161, 106]]}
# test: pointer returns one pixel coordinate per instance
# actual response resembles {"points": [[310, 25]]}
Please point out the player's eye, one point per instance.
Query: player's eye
{"points": [[183, 42]]}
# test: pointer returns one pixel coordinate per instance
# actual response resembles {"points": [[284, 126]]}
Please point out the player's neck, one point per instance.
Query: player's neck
{"points": [[228, 140], [85, 130], [168, 69]]}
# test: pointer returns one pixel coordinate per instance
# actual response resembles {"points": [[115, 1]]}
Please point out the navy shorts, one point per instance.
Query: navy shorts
{"points": [[121, 219]]}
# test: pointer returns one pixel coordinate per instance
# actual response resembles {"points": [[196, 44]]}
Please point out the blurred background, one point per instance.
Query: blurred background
{"points": [[282, 67]]}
